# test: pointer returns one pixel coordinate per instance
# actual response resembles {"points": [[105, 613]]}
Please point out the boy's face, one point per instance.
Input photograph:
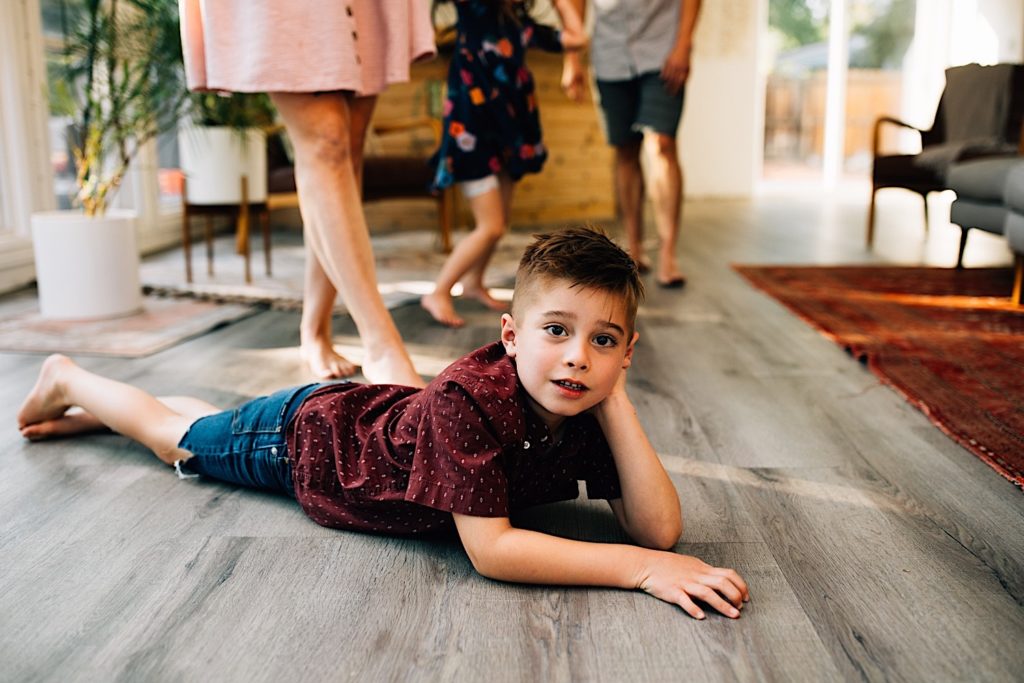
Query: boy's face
{"points": [[570, 346]]}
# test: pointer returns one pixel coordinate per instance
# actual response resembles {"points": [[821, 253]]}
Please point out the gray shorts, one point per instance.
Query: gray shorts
{"points": [[642, 103]]}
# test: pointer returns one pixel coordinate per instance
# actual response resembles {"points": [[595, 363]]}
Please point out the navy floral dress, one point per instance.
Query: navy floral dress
{"points": [[491, 122]]}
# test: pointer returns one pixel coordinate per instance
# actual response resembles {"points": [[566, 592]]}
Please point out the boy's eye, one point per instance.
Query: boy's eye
{"points": [[555, 330], [604, 340]]}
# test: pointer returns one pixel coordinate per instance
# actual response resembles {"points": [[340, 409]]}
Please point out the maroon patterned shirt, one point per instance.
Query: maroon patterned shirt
{"points": [[399, 460]]}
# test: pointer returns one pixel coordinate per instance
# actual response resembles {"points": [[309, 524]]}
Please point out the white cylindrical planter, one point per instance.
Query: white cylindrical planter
{"points": [[86, 267], [214, 159]]}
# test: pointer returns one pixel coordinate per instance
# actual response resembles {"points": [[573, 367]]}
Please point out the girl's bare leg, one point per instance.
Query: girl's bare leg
{"points": [[121, 407], [320, 130], [475, 248], [473, 281], [315, 331]]}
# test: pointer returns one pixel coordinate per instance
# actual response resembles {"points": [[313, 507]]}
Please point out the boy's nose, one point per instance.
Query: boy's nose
{"points": [[577, 358]]}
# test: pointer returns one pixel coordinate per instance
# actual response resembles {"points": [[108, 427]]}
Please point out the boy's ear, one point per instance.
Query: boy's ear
{"points": [[508, 334], [628, 360]]}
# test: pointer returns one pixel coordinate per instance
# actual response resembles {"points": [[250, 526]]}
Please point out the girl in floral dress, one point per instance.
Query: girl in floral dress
{"points": [[492, 134]]}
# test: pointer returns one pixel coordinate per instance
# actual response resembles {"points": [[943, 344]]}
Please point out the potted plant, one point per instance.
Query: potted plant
{"points": [[120, 85], [226, 141]]}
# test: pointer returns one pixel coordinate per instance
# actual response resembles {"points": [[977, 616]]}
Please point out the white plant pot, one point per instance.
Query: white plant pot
{"points": [[87, 268], [214, 159]]}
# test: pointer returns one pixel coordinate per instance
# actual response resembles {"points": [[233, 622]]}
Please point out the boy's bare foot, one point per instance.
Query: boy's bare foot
{"points": [[46, 400], [482, 295], [441, 308], [390, 366], [74, 421], [323, 361]]}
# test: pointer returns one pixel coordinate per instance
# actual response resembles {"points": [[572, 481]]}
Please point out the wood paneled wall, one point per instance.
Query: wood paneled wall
{"points": [[575, 186]]}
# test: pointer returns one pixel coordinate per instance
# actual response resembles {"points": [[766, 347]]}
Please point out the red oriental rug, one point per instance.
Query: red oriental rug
{"points": [[949, 341]]}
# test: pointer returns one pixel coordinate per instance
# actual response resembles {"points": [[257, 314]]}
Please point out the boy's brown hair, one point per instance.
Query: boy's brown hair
{"points": [[584, 257]]}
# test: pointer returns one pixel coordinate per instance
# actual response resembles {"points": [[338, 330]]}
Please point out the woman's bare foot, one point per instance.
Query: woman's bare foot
{"points": [[441, 308], [390, 366], [74, 421], [323, 361], [482, 295], [46, 400]]}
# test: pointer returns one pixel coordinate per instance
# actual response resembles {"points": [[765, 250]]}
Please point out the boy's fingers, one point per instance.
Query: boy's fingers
{"points": [[713, 599], [689, 606], [736, 579], [727, 588]]}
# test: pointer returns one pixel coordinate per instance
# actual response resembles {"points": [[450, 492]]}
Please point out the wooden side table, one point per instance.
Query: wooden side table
{"points": [[242, 216]]}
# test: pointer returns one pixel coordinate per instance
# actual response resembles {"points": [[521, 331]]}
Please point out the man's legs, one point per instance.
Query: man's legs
{"points": [[121, 407], [666, 187], [629, 189]]}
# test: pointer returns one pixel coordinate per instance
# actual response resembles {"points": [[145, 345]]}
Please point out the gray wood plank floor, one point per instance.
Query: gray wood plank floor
{"points": [[875, 547]]}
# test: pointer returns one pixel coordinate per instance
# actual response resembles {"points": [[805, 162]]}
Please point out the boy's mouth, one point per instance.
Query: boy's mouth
{"points": [[569, 387]]}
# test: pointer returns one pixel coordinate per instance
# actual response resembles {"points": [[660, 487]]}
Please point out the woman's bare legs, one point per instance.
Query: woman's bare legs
{"points": [[315, 330], [320, 128], [470, 256], [106, 403]]}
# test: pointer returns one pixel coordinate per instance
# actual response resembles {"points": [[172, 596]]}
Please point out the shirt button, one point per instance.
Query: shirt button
{"points": [[273, 450], [526, 444]]}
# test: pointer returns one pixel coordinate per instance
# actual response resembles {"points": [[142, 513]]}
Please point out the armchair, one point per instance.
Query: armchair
{"points": [[385, 176], [979, 114]]}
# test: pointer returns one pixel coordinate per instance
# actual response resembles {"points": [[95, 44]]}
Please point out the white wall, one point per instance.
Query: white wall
{"points": [[721, 138]]}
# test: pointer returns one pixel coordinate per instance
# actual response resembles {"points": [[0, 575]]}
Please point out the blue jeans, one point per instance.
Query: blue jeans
{"points": [[246, 446]]}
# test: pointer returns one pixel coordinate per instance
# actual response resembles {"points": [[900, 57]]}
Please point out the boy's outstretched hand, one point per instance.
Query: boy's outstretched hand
{"points": [[679, 579]]}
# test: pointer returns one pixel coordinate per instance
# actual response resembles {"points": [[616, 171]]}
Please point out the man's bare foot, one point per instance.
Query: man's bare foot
{"points": [[669, 275], [323, 361], [46, 400], [482, 295], [74, 421], [390, 366], [643, 264], [441, 309]]}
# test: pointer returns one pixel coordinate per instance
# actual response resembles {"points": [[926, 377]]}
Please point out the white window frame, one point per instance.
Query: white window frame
{"points": [[26, 183]]}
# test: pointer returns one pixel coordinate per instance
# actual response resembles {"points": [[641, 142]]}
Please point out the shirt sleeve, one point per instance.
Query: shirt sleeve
{"points": [[600, 474], [457, 460]]}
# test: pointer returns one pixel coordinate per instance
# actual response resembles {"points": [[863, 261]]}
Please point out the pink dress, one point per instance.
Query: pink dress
{"points": [[303, 45]]}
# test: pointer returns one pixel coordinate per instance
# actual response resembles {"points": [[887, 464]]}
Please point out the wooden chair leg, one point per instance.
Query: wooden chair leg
{"points": [[1018, 279], [208, 234], [963, 245], [242, 233], [265, 224], [186, 241], [924, 198], [445, 216], [871, 218]]}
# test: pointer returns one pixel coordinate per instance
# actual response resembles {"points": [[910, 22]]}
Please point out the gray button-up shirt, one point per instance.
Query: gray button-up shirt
{"points": [[632, 37]]}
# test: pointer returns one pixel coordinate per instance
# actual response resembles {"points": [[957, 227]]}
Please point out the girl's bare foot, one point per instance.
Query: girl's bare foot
{"points": [[482, 295], [441, 308], [74, 421], [46, 400], [390, 366], [323, 361], [642, 263]]}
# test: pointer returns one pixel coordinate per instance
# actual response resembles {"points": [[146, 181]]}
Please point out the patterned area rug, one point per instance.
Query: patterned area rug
{"points": [[163, 323], [949, 341], [407, 264]]}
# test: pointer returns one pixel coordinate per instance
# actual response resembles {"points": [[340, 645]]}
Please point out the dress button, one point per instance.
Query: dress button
{"points": [[526, 444], [348, 10], [355, 36]]}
